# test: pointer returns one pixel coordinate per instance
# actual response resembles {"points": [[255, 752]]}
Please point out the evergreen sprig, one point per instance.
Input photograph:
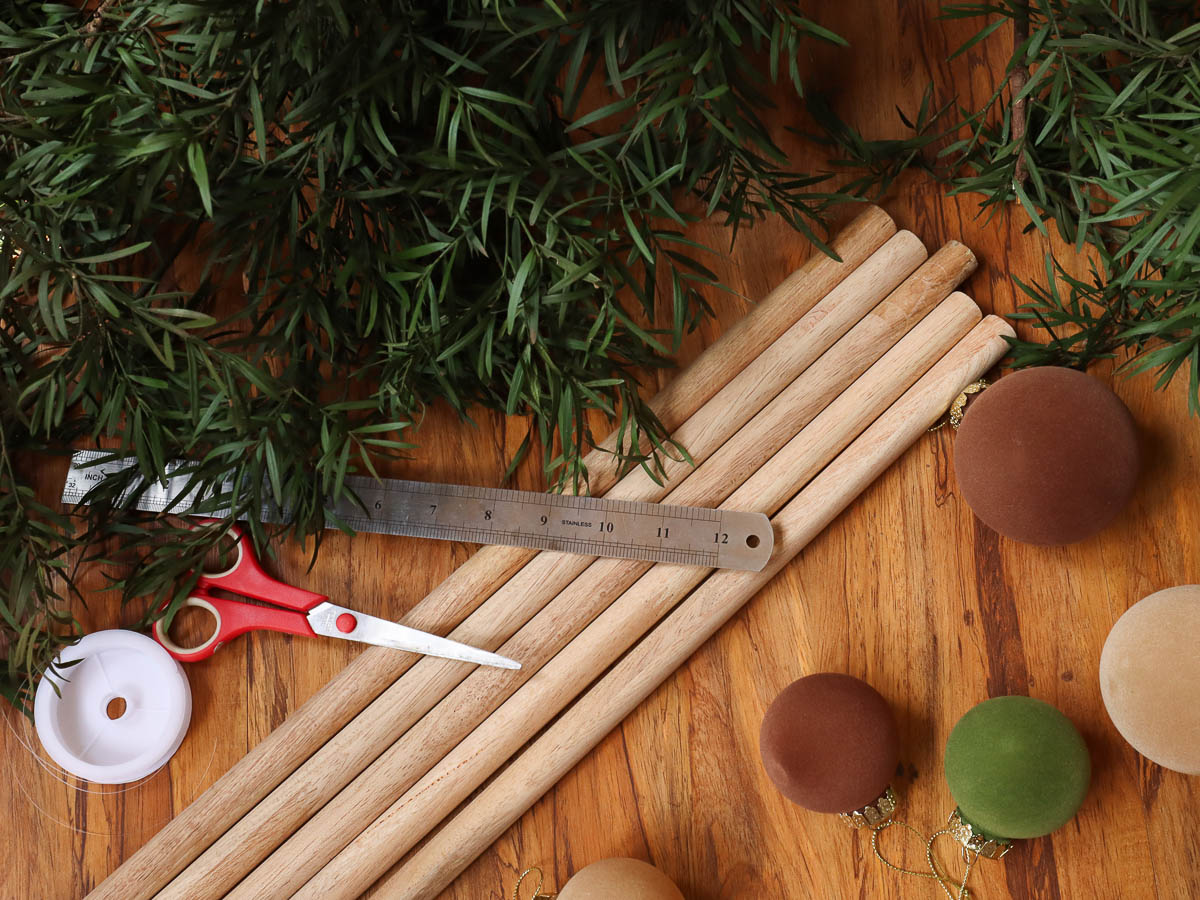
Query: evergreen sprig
{"points": [[475, 201], [1098, 135]]}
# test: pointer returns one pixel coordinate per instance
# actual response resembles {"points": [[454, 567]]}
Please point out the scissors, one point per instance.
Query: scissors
{"points": [[304, 612]]}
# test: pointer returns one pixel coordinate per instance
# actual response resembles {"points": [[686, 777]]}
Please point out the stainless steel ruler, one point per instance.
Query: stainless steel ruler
{"points": [[656, 532]]}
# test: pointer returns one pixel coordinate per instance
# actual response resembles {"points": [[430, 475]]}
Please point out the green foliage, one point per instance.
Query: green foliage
{"points": [[33, 545], [475, 201], [1112, 152]]}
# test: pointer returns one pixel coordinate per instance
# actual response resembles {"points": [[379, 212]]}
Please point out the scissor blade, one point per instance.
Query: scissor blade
{"points": [[373, 630]]}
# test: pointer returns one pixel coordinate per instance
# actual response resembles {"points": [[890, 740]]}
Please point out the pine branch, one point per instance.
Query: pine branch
{"points": [[1017, 82], [96, 19], [480, 205], [1102, 146], [1098, 142]]}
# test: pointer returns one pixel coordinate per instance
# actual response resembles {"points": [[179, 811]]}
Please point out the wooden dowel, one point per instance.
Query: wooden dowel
{"points": [[348, 693], [556, 619], [399, 707], [482, 821], [750, 335], [628, 618]]}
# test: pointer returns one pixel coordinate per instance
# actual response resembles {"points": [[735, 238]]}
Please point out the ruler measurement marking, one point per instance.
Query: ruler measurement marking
{"points": [[579, 545]]}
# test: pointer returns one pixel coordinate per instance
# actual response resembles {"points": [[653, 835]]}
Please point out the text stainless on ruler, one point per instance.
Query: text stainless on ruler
{"points": [[655, 532]]}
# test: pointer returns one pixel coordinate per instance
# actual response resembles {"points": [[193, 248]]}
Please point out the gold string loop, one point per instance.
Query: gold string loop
{"points": [[958, 408], [537, 891], [875, 832], [970, 857], [935, 873]]}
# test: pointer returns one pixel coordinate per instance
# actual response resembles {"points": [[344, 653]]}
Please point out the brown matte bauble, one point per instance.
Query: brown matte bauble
{"points": [[1047, 456], [830, 743], [1150, 677], [627, 879]]}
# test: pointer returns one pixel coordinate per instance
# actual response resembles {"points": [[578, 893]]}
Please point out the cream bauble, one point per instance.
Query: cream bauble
{"points": [[1150, 677], [620, 879]]}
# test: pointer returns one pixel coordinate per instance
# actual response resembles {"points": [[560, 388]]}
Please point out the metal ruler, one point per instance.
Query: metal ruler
{"points": [[655, 532]]}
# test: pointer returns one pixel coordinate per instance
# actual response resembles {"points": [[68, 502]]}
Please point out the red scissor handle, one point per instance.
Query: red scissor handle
{"points": [[233, 617], [246, 577]]}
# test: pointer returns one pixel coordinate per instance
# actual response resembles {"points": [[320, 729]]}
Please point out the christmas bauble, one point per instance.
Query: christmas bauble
{"points": [[1047, 456], [1016, 767], [829, 742], [628, 879], [1150, 677]]}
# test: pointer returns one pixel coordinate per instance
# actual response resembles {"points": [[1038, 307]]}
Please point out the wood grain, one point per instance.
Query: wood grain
{"points": [[904, 589]]}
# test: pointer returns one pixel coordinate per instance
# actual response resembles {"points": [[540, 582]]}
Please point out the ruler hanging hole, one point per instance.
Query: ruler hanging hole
{"points": [[752, 541]]}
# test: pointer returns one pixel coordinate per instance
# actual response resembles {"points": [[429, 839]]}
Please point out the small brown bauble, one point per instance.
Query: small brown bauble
{"points": [[1047, 456], [627, 879], [830, 743]]}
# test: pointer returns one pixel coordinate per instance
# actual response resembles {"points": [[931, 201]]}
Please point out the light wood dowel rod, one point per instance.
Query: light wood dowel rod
{"points": [[475, 758], [485, 818], [314, 723], [359, 743], [556, 619]]}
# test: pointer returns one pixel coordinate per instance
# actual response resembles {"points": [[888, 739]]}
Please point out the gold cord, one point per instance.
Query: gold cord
{"points": [[887, 862], [969, 855], [537, 891], [954, 890], [934, 872], [958, 408]]}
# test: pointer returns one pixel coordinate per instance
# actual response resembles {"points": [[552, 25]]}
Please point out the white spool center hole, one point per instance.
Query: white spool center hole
{"points": [[115, 708]]}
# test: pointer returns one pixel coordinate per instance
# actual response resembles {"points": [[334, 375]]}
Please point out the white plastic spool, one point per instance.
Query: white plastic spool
{"points": [[75, 726]]}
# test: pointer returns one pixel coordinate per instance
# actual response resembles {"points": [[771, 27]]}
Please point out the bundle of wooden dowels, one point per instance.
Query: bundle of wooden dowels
{"points": [[793, 412]]}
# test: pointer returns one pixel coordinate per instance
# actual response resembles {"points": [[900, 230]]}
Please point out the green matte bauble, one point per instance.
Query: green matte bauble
{"points": [[1017, 768], [1150, 677], [628, 879]]}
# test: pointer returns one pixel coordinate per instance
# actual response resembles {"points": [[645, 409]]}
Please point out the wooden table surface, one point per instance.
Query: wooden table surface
{"points": [[906, 589]]}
